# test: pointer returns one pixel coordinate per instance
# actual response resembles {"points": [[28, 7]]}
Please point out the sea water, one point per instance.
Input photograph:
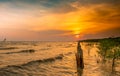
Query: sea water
{"points": [[20, 58]]}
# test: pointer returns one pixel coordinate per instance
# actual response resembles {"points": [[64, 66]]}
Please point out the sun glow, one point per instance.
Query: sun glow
{"points": [[77, 36]]}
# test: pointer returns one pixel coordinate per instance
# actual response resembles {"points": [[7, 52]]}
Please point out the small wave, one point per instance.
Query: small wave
{"points": [[69, 45], [23, 51], [19, 70], [69, 53], [59, 45], [28, 51], [49, 45], [60, 56], [45, 48], [8, 48], [9, 73]]}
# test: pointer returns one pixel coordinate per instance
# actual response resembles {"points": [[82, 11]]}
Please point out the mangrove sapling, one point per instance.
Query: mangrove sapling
{"points": [[109, 49], [89, 48], [103, 47], [114, 54]]}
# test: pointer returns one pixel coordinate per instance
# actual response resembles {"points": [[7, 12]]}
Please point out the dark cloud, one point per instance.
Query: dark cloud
{"points": [[59, 6], [56, 6], [89, 2]]}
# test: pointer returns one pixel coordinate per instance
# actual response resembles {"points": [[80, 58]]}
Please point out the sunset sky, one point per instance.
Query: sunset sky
{"points": [[59, 20]]}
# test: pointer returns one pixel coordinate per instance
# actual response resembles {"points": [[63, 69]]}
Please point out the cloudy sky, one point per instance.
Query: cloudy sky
{"points": [[59, 20]]}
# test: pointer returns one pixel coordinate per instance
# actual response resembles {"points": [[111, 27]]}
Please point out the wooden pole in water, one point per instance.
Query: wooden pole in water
{"points": [[79, 57]]}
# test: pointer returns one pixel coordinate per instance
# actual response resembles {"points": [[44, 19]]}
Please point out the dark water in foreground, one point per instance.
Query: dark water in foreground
{"points": [[47, 59]]}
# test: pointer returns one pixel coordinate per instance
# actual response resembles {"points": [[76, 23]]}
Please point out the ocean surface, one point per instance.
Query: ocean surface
{"points": [[49, 59]]}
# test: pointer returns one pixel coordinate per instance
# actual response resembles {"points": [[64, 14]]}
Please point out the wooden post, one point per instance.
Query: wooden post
{"points": [[79, 57]]}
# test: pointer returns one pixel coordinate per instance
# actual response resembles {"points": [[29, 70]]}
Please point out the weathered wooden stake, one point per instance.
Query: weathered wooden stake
{"points": [[79, 57]]}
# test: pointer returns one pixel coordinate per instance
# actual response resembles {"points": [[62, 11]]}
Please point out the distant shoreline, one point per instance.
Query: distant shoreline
{"points": [[98, 40]]}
